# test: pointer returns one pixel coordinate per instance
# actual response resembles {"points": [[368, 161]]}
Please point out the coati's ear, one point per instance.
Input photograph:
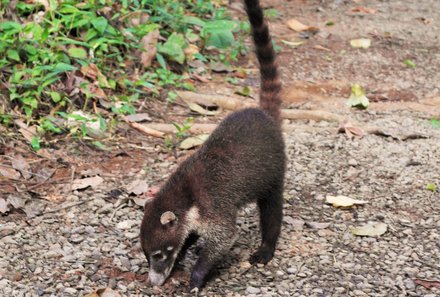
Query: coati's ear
{"points": [[167, 217]]}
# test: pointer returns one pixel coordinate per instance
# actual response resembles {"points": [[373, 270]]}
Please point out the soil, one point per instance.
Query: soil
{"points": [[58, 241]]}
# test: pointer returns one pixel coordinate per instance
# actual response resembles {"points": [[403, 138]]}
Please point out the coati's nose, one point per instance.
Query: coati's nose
{"points": [[156, 279]]}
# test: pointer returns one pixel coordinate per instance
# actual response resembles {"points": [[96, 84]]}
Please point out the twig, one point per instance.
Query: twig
{"points": [[146, 130], [67, 206]]}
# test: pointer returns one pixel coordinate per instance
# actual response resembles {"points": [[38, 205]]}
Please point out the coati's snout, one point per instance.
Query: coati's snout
{"points": [[161, 263], [160, 240]]}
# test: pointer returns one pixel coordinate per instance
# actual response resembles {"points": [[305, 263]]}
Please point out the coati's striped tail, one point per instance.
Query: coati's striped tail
{"points": [[270, 99]]}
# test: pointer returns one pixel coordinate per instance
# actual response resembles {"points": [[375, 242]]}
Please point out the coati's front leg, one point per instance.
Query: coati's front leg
{"points": [[217, 244], [271, 215]]}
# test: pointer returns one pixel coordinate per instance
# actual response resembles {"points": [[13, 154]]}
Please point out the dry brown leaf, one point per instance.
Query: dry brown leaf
{"points": [[362, 9], [199, 109], [92, 71], [322, 48], [149, 47], [33, 208], [140, 201], [16, 201], [343, 201], [94, 90], [351, 130], [104, 292], [296, 224], [138, 18], [137, 187], [28, 132], [190, 51], [138, 117], [83, 183], [427, 283], [317, 225], [360, 43], [297, 26], [200, 78], [19, 163], [194, 141], [3, 206], [372, 229], [10, 173]]}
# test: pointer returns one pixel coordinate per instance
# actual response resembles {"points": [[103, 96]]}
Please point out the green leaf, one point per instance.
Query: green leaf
{"points": [[77, 52], [13, 55], [409, 63], [10, 27], [100, 24], [357, 97], [101, 146], [102, 123], [431, 187], [192, 20], [246, 91], [63, 67], [218, 33], [56, 97], [173, 48], [35, 143], [161, 61], [435, 123]]}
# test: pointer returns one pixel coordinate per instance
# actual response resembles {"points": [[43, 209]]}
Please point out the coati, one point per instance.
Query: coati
{"points": [[242, 161]]}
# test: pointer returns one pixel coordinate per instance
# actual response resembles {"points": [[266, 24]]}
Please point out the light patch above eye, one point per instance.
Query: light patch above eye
{"points": [[170, 248], [158, 252]]}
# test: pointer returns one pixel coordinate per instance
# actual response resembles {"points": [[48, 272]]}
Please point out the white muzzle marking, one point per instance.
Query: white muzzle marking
{"points": [[157, 279]]}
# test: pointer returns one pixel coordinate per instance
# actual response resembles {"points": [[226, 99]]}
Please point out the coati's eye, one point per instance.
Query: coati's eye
{"points": [[158, 256]]}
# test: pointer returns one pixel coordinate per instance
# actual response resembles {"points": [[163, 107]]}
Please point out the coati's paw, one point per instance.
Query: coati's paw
{"points": [[261, 257], [197, 280]]}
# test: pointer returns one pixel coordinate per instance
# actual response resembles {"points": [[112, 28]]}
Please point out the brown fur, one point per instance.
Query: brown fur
{"points": [[243, 161]]}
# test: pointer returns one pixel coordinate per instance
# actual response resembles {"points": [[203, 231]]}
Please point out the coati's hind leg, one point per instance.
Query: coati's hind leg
{"points": [[216, 245], [271, 215]]}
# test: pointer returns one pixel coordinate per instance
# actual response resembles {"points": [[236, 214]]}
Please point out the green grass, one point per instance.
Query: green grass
{"points": [[79, 55]]}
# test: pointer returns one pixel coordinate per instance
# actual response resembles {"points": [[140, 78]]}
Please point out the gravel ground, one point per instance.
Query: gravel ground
{"points": [[93, 242], [90, 240]]}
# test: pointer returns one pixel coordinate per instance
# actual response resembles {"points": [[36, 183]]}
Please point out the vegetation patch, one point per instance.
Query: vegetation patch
{"points": [[86, 62]]}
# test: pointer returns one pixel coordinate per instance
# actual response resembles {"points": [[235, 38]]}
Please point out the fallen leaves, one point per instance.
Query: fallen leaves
{"points": [[361, 10], [371, 229], [19, 163], [8, 172], [192, 142], [360, 43], [92, 71], [149, 47], [137, 187], [103, 292], [80, 184], [343, 201], [427, 283], [409, 63], [297, 26], [351, 130], [199, 109], [318, 225], [357, 97], [137, 117], [431, 187], [3, 206]]}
